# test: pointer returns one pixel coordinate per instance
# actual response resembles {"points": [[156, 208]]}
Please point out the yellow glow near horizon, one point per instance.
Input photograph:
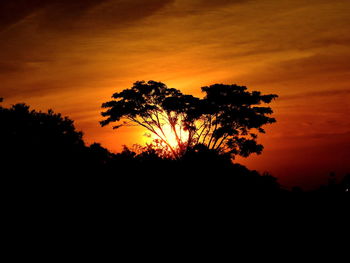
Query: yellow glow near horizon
{"points": [[169, 136]]}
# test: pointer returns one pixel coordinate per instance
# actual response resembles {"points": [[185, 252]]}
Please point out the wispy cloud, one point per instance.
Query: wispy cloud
{"points": [[67, 14], [325, 93]]}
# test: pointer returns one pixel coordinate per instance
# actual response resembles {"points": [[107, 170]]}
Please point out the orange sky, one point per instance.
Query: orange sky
{"points": [[73, 55]]}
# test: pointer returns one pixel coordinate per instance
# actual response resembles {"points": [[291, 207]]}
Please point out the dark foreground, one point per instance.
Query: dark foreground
{"points": [[44, 157]]}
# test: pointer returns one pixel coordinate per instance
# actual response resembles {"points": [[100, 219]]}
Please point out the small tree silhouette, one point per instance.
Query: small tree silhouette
{"points": [[227, 119]]}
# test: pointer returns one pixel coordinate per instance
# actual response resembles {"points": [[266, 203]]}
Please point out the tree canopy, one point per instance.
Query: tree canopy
{"points": [[153, 106], [34, 137], [227, 120]]}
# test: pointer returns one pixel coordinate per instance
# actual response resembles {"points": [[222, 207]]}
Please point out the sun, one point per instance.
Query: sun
{"points": [[169, 135]]}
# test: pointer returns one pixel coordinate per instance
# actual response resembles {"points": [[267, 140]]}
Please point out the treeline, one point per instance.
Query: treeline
{"points": [[44, 151]]}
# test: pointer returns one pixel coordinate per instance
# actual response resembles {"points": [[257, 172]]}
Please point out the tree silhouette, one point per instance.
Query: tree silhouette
{"points": [[227, 120], [41, 153], [37, 140], [153, 106], [231, 118]]}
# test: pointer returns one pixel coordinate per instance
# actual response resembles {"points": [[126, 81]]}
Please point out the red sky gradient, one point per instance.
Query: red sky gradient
{"points": [[73, 55]]}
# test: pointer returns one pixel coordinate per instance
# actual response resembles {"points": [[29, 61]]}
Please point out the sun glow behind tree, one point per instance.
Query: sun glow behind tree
{"points": [[176, 136], [228, 119]]}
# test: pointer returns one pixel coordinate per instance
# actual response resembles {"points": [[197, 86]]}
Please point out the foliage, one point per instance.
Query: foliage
{"points": [[228, 118], [36, 137], [153, 105], [42, 154]]}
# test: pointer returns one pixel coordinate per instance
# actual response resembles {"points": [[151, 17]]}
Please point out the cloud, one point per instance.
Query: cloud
{"points": [[183, 8], [10, 67], [338, 136], [218, 3], [327, 70], [325, 93], [117, 13], [13, 11], [68, 14], [328, 137]]}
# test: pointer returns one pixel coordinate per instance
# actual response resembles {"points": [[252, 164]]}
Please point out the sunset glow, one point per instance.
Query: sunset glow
{"points": [[169, 136], [71, 56]]}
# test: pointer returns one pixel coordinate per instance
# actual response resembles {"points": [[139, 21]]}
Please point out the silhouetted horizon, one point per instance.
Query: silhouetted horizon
{"points": [[46, 151]]}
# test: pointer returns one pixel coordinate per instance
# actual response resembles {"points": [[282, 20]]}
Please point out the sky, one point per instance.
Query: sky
{"points": [[71, 56]]}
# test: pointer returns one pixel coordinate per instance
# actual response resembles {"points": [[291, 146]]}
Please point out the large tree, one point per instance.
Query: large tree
{"points": [[228, 118]]}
